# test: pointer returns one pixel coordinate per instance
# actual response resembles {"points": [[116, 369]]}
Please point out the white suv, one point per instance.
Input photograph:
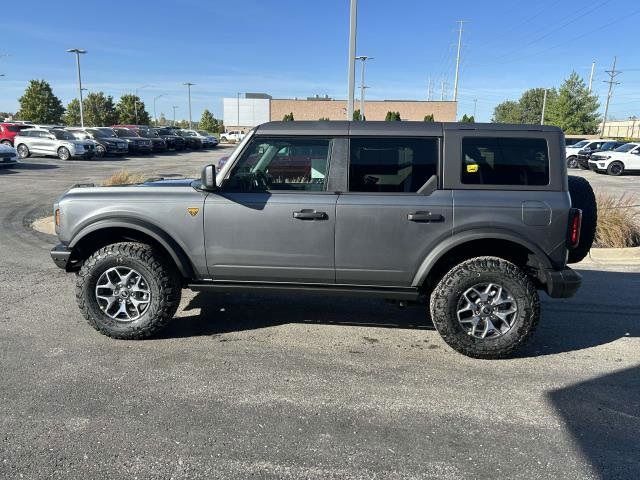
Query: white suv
{"points": [[234, 136], [623, 159], [582, 147]]}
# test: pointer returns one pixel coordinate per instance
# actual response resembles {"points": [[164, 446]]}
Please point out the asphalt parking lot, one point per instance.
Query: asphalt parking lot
{"points": [[300, 386]]}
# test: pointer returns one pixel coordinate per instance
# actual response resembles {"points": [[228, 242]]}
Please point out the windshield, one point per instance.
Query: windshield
{"points": [[102, 133], [204, 133], [626, 147], [187, 133], [164, 131], [579, 144], [125, 132], [609, 146], [147, 133], [17, 128], [63, 135]]}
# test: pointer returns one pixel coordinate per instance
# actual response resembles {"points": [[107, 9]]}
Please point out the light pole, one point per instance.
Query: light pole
{"points": [[351, 74], [174, 114], [78, 52], [363, 59], [238, 108], [189, 85], [135, 101], [155, 117]]}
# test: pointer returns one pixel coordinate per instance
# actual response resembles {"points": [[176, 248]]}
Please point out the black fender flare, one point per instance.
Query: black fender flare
{"points": [[468, 236], [176, 252]]}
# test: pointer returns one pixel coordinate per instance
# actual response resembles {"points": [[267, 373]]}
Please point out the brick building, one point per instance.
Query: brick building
{"points": [[254, 109]]}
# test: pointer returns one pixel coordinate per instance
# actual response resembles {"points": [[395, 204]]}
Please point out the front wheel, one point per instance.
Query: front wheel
{"points": [[128, 290], [485, 307], [572, 162], [615, 169], [63, 153], [23, 151]]}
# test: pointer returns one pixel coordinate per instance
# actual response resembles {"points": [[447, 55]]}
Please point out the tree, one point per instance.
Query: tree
{"points": [[323, 119], [357, 117], [392, 117], [507, 112], [39, 104], [71, 115], [429, 118], [99, 110], [530, 104], [207, 122], [126, 111], [288, 117], [574, 110], [468, 119]]}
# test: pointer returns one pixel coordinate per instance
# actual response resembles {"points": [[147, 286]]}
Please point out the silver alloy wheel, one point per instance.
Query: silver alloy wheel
{"points": [[23, 151], [487, 310], [64, 153], [123, 294]]}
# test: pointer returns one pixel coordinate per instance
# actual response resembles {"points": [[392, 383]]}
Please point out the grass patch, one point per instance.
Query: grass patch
{"points": [[618, 221], [123, 177]]}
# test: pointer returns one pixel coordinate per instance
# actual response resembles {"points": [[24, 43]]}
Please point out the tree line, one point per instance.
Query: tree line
{"points": [[571, 107], [40, 105]]}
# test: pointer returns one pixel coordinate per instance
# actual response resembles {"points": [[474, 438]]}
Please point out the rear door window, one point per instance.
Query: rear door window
{"points": [[505, 161]]}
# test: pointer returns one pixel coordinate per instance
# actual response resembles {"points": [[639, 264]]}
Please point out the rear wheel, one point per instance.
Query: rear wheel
{"points": [[128, 290], [615, 168], [572, 162], [485, 307], [100, 151], [64, 153], [23, 151]]}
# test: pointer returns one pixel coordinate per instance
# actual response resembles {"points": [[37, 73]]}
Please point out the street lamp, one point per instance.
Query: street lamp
{"points": [[78, 52], [189, 85], [238, 111], [155, 117], [353, 15], [174, 114], [135, 100], [363, 59]]}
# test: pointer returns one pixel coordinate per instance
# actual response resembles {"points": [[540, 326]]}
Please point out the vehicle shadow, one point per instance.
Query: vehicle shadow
{"points": [[603, 416], [603, 311], [10, 169]]}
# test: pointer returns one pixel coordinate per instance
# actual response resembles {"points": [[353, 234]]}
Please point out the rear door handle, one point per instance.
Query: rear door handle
{"points": [[308, 214], [425, 217]]}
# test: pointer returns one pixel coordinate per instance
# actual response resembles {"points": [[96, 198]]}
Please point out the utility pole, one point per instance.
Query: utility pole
{"points": [[189, 85], [633, 126], [593, 68], [613, 73], [442, 91], [475, 107], [238, 108], [455, 83], [78, 52], [544, 106], [363, 59], [429, 90], [351, 80], [174, 114]]}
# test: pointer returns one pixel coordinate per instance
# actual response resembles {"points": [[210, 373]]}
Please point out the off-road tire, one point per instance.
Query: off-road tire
{"points": [[582, 197], [444, 304], [615, 169], [163, 280]]}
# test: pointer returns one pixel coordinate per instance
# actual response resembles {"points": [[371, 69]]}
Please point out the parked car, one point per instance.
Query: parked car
{"points": [[107, 143], [623, 159], [606, 146], [136, 143], [583, 147], [174, 142], [157, 143], [233, 136], [208, 140], [52, 141], [8, 155], [8, 130], [474, 223], [192, 142]]}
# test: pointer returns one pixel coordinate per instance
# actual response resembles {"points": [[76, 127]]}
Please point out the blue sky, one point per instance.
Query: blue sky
{"points": [[296, 48]]}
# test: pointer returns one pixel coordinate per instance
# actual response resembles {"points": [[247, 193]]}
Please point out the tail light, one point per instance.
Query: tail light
{"points": [[575, 223]]}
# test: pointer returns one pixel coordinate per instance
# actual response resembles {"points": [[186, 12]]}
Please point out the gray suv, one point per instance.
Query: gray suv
{"points": [[472, 220], [54, 142]]}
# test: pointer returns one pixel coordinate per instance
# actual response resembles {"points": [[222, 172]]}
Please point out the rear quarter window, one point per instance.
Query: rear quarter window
{"points": [[505, 161]]}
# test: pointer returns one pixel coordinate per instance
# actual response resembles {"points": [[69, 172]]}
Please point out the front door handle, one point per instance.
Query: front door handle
{"points": [[308, 214], [425, 217]]}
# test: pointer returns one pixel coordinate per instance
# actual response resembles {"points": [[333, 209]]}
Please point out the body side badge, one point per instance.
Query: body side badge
{"points": [[193, 211]]}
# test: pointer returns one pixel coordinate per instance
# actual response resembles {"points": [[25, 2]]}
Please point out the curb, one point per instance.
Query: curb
{"points": [[615, 255]]}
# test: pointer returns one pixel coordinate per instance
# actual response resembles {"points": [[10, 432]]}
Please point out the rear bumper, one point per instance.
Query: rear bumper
{"points": [[562, 283], [60, 255]]}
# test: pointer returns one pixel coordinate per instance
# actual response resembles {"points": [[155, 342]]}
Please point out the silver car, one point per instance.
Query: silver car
{"points": [[52, 141]]}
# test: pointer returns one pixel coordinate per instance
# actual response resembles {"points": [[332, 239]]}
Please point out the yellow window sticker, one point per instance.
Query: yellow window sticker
{"points": [[473, 168]]}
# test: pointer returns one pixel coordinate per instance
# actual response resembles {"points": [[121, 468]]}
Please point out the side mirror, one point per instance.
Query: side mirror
{"points": [[208, 178]]}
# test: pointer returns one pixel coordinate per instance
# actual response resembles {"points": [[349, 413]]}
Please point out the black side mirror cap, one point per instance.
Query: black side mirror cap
{"points": [[208, 178]]}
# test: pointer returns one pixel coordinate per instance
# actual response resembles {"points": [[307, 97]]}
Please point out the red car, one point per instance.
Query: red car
{"points": [[9, 130]]}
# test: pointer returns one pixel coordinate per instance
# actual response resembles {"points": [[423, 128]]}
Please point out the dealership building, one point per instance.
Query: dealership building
{"points": [[251, 109]]}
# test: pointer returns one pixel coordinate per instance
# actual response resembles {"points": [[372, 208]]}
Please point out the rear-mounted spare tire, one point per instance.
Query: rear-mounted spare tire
{"points": [[582, 197]]}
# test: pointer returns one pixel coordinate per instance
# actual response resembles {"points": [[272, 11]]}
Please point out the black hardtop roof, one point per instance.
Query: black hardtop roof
{"points": [[406, 128]]}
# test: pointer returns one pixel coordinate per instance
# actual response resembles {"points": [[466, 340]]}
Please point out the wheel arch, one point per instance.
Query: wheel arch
{"points": [[105, 232], [470, 244]]}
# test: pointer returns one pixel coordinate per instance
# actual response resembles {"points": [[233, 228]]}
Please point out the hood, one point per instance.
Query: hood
{"points": [[7, 149], [175, 182]]}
